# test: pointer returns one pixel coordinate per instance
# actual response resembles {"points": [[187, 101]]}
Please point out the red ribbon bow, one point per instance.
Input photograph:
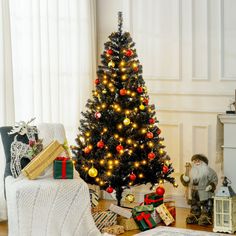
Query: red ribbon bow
{"points": [[150, 201], [63, 171], [145, 216]]}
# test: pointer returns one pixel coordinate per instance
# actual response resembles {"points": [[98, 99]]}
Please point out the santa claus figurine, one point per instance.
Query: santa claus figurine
{"points": [[203, 181]]}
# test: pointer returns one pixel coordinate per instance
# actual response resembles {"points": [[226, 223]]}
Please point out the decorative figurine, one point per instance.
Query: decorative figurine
{"points": [[202, 181]]}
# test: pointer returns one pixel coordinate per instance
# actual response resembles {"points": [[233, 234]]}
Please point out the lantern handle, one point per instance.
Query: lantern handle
{"points": [[226, 181]]}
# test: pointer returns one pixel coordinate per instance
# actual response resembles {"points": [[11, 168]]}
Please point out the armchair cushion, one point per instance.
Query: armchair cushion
{"points": [[6, 141]]}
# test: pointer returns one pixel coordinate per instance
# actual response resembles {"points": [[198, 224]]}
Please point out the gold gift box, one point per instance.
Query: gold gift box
{"points": [[43, 160], [114, 229], [128, 224]]}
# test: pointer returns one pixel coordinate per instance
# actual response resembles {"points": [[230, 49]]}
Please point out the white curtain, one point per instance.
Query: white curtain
{"points": [[54, 59], [6, 89]]}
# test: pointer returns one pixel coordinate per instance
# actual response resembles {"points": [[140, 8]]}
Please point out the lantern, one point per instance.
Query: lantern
{"points": [[225, 209]]}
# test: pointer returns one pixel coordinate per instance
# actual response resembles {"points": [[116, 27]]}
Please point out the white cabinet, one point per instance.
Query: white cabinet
{"points": [[229, 147]]}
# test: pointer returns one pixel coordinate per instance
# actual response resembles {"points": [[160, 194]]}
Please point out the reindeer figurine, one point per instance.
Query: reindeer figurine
{"points": [[19, 149]]}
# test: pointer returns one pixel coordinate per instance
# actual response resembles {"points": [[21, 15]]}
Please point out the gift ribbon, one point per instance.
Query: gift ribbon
{"points": [[150, 201], [146, 217], [63, 171]]}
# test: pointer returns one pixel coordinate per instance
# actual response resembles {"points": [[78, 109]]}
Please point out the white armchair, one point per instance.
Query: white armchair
{"points": [[46, 206]]}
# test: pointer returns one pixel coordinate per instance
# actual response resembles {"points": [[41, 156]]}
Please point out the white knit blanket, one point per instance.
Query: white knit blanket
{"points": [[49, 207]]}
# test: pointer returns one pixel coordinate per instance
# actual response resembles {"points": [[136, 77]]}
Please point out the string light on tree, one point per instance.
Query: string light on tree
{"points": [[126, 121]]}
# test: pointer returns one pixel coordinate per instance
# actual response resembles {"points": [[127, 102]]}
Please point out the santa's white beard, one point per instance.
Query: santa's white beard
{"points": [[199, 171]]}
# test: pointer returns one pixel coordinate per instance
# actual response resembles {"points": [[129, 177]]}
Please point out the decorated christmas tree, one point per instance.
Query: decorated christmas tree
{"points": [[119, 143]]}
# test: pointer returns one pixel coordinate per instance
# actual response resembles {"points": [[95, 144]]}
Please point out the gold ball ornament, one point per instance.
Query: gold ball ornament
{"points": [[142, 107], [126, 121], [130, 198], [93, 172], [111, 64]]}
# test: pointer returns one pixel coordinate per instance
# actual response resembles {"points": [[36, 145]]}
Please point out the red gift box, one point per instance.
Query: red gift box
{"points": [[170, 205]]}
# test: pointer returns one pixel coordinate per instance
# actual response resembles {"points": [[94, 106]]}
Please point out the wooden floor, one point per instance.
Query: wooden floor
{"points": [[3, 228], [181, 214]]}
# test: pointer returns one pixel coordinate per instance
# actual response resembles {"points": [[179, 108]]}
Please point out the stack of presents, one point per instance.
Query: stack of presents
{"points": [[145, 216], [62, 165]]}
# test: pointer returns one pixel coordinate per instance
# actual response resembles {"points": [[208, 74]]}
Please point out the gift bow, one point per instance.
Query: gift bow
{"points": [[63, 171], [150, 201], [145, 216]]}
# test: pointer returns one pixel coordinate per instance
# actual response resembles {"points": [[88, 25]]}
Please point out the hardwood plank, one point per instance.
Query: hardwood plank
{"points": [[3, 228]]}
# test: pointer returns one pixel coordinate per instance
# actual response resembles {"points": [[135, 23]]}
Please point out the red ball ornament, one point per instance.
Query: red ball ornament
{"points": [[151, 121], [145, 101], [158, 131], [149, 135], [160, 191], [165, 169], [151, 155], [128, 53], [87, 150], [96, 81], [132, 176], [109, 189], [135, 68], [123, 92], [100, 144], [98, 115], [140, 90], [119, 148], [109, 52]]}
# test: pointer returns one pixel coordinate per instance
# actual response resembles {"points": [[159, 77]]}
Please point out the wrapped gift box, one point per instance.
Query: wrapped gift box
{"points": [[155, 215], [170, 205], [94, 197], [144, 218], [114, 229], [128, 224], [143, 208], [153, 199], [104, 219], [165, 214], [63, 168], [120, 211], [43, 160]]}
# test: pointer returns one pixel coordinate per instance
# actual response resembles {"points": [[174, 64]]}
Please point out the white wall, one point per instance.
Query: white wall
{"points": [[188, 52]]}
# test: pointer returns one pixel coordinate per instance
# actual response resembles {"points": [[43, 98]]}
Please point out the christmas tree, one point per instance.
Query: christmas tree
{"points": [[119, 143]]}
